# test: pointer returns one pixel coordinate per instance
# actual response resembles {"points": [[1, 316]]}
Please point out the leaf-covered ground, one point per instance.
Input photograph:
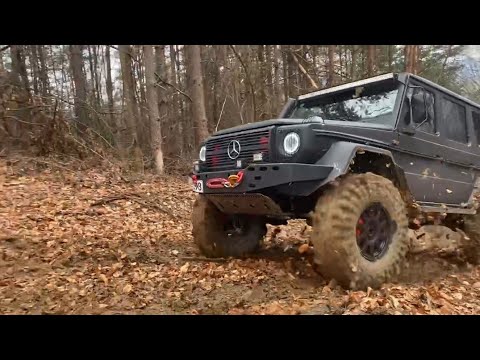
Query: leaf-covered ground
{"points": [[89, 242]]}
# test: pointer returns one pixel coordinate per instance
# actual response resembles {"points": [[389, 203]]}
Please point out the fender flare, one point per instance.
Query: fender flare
{"points": [[341, 154]]}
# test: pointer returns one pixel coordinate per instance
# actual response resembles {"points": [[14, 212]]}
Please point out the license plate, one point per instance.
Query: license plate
{"points": [[198, 186]]}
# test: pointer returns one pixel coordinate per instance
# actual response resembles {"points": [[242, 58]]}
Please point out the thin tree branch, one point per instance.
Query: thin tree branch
{"points": [[248, 79], [4, 48], [302, 69], [173, 86], [22, 121], [221, 112]]}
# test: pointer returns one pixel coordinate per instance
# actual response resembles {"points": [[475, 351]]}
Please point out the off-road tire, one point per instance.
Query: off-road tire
{"points": [[214, 242], [337, 255], [470, 248]]}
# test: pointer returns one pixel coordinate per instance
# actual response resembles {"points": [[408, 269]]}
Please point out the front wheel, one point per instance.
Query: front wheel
{"points": [[360, 232], [217, 234]]}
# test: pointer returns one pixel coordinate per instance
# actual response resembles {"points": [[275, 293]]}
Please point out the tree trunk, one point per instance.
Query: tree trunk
{"points": [[76, 61], [286, 80], [153, 107], [331, 66], [98, 87], [390, 58], [218, 62], [353, 65], [185, 121], [131, 141], [109, 85], [194, 71], [362, 67], [279, 96], [415, 59], [34, 65], [43, 71], [407, 58], [138, 79], [270, 85], [261, 82], [371, 60], [18, 67], [176, 103], [293, 82], [167, 122]]}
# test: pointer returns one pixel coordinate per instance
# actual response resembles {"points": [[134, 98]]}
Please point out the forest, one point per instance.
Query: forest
{"points": [[96, 142]]}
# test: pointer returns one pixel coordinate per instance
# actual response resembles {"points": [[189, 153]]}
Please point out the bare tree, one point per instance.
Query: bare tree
{"points": [[153, 112], [132, 126], [76, 63], [19, 70], [371, 60], [194, 72], [34, 67], [170, 143], [331, 65], [109, 85], [43, 70]]}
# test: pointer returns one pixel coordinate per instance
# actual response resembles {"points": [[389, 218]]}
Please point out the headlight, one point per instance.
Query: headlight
{"points": [[291, 143], [203, 153]]}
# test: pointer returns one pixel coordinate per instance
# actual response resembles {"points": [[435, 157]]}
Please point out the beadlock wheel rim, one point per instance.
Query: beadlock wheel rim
{"points": [[374, 232]]}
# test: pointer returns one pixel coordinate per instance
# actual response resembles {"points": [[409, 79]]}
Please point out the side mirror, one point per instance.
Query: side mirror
{"points": [[419, 107]]}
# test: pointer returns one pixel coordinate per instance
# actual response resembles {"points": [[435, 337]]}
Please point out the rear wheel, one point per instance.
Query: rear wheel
{"points": [[221, 235], [360, 232]]}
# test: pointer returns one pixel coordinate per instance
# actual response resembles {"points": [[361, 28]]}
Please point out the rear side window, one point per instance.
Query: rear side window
{"points": [[454, 121], [476, 125]]}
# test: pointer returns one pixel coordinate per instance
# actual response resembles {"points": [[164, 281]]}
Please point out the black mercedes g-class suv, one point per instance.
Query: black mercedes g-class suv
{"points": [[357, 161]]}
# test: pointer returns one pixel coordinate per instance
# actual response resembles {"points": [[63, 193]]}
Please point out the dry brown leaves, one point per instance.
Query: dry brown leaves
{"points": [[133, 253]]}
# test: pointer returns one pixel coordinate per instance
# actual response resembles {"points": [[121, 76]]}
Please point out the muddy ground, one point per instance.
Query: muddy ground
{"points": [[86, 241]]}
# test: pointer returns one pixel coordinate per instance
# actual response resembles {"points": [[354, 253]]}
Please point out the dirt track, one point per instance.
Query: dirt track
{"points": [[89, 242]]}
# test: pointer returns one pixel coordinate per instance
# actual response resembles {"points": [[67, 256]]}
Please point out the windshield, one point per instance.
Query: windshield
{"points": [[373, 103]]}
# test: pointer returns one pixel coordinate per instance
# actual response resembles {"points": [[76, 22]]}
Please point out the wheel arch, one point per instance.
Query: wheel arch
{"points": [[348, 157]]}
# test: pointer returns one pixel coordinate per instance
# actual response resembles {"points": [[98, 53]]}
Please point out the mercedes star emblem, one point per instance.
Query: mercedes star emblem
{"points": [[233, 150]]}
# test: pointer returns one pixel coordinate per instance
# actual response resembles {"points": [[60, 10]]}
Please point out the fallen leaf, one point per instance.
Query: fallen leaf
{"points": [[458, 296], [394, 301], [184, 268], [127, 289], [103, 278], [303, 248]]}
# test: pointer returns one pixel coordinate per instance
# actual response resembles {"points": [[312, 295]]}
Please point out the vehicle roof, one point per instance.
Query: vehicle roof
{"points": [[402, 76]]}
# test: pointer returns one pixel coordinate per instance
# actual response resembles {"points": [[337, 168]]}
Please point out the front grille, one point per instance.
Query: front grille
{"points": [[251, 143]]}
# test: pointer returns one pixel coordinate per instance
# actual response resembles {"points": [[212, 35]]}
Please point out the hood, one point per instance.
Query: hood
{"points": [[259, 124]]}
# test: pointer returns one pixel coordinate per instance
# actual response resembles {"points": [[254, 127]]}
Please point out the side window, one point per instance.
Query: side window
{"points": [[453, 121], [476, 124]]}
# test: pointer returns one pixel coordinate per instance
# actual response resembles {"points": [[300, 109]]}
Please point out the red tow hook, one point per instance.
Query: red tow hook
{"points": [[231, 182], [216, 183]]}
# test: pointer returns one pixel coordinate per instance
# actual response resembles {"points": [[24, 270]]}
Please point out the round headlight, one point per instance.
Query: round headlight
{"points": [[291, 143], [203, 153]]}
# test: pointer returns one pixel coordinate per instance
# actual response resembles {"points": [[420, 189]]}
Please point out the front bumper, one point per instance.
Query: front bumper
{"points": [[297, 179]]}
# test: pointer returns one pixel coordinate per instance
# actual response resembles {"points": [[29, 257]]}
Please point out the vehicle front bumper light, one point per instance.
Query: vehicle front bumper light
{"points": [[203, 153]]}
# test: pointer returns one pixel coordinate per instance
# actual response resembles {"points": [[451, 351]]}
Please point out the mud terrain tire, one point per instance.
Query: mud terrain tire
{"points": [[214, 241], [335, 231]]}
